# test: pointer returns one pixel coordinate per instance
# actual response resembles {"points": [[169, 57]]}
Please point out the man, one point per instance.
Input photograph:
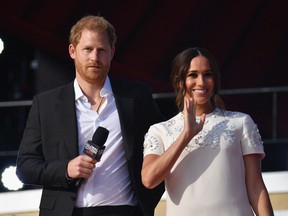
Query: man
{"points": [[62, 120]]}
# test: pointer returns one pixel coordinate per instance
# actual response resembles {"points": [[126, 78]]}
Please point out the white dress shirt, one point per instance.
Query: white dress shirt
{"points": [[109, 183]]}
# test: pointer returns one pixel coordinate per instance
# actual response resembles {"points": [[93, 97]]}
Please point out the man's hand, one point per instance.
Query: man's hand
{"points": [[80, 167]]}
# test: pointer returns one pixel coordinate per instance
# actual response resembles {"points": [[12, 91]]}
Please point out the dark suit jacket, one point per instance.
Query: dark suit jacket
{"points": [[50, 141]]}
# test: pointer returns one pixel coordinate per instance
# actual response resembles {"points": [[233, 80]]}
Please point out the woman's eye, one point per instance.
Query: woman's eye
{"points": [[193, 75]]}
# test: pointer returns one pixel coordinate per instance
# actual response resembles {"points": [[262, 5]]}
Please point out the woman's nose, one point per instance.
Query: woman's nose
{"points": [[200, 80]]}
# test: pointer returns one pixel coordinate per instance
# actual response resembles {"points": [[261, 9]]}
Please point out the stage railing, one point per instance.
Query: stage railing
{"points": [[266, 90]]}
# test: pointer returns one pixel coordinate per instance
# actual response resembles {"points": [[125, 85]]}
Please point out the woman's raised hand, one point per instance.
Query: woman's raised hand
{"points": [[191, 126]]}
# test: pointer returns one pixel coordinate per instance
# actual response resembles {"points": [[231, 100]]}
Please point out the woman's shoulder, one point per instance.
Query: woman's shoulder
{"points": [[231, 113], [173, 121], [235, 116]]}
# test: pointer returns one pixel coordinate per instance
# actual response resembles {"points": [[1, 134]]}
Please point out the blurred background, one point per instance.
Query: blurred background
{"points": [[248, 38]]}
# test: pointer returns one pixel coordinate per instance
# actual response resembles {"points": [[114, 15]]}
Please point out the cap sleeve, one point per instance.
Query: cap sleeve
{"points": [[251, 140], [153, 143]]}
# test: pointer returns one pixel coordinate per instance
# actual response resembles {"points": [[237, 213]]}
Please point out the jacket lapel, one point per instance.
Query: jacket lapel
{"points": [[125, 107], [67, 115]]}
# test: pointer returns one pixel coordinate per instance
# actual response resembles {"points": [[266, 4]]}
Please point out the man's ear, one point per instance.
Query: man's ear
{"points": [[112, 53], [71, 50]]}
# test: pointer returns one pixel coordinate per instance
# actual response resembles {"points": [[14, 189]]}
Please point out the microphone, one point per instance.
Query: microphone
{"points": [[94, 148]]}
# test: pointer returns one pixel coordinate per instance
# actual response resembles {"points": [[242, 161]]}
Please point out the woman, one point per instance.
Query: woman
{"points": [[209, 158]]}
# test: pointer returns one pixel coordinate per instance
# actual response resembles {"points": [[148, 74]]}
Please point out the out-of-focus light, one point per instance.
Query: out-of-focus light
{"points": [[34, 64], [10, 179], [1, 46]]}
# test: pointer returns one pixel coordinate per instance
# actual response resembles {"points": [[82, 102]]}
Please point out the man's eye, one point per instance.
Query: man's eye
{"points": [[101, 50], [209, 74]]}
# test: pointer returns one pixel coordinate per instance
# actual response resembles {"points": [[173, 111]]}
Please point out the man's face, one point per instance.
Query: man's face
{"points": [[92, 56]]}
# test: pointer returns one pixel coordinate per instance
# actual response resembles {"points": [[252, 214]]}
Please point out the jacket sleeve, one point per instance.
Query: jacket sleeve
{"points": [[33, 167]]}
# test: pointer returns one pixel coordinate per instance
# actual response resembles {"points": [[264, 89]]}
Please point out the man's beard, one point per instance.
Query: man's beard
{"points": [[91, 76]]}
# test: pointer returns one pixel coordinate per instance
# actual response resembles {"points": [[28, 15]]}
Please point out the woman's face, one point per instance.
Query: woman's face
{"points": [[200, 81]]}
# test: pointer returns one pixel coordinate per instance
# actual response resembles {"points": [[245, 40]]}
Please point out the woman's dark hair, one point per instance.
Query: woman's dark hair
{"points": [[180, 67]]}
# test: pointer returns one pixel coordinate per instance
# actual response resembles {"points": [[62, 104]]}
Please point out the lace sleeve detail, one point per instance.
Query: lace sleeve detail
{"points": [[153, 143], [251, 140]]}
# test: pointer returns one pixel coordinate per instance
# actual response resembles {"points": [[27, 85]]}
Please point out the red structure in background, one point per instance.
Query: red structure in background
{"points": [[249, 38]]}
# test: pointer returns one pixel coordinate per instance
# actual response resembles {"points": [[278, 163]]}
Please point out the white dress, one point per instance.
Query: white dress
{"points": [[209, 176]]}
